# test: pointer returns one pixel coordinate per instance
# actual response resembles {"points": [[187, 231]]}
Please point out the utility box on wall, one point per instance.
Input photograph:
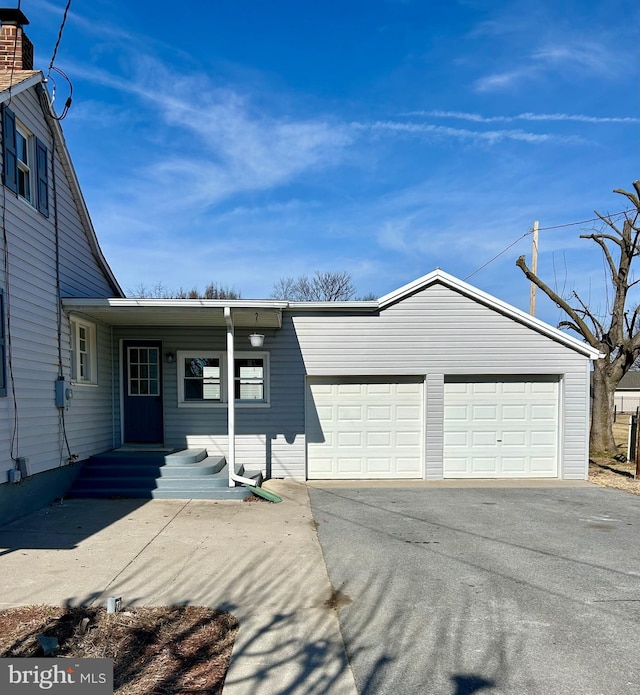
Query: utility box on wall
{"points": [[24, 466], [63, 394]]}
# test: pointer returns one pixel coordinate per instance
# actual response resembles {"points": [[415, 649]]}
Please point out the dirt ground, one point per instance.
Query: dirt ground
{"points": [[606, 471], [156, 651]]}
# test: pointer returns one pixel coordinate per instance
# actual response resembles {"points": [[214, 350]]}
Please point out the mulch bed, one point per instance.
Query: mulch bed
{"points": [[156, 651]]}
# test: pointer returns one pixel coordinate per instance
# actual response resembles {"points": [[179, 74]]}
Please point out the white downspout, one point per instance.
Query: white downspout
{"points": [[231, 406]]}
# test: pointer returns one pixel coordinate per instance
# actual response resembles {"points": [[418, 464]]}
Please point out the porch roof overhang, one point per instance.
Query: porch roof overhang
{"points": [[178, 312]]}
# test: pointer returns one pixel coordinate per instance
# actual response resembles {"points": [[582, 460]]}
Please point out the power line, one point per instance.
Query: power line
{"points": [[544, 229], [593, 219], [64, 21], [499, 254]]}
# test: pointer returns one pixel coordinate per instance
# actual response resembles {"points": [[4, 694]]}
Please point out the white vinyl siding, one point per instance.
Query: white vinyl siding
{"points": [[439, 332], [31, 298]]}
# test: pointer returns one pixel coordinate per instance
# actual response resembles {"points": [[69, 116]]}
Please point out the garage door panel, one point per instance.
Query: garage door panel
{"points": [[352, 467], [543, 464], [487, 413], [513, 464], [408, 465], [484, 438], [382, 413], [515, 438], [369, 429], [408, 414], [378, 439], [352, 413], [379, 465], [345, 439], [516, 413], [408, 439], [516, 388], [543, 412], [505, 428], [456, 439]]}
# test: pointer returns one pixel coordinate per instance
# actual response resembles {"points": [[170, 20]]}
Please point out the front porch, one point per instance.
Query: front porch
{"points": [[159, 474]]}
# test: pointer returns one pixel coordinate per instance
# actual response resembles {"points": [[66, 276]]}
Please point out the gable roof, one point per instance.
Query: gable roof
{"points": [[453, 283], [13, 78], [630, 381], [13, 83]]}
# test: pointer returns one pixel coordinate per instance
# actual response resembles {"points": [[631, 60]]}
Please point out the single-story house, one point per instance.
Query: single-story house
{"points": [[434, 380], [627, 395]]}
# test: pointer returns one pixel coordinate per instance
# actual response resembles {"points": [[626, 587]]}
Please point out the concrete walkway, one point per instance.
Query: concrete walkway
{"points": [[261, 561]]}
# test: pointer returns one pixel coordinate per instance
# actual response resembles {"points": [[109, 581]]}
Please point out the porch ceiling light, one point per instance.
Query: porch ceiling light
{"points": [[256, 339]]}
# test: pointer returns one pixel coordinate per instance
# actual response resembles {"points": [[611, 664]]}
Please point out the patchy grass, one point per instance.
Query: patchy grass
{"points": [[607, 472], [156, 651]]}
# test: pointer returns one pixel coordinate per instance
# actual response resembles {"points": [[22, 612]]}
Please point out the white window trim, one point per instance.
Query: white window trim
{"points": [[28, 167], [92, 352], [181, 355], [224, 386], [264, 356]]}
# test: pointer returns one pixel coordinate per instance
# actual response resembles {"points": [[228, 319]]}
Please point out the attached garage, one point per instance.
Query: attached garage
{"points": [[365, 427], [501, 427]]}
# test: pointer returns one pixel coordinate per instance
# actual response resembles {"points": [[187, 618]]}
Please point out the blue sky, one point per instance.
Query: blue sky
{"points": [[244, 141]]}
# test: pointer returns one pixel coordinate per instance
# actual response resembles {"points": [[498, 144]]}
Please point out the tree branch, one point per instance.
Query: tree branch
{"points": [[580, 325]]}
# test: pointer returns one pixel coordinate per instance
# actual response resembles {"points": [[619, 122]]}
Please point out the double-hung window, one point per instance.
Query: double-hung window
{"points": [[250, 383], [84, 365], [25, 163], [202, 379]]}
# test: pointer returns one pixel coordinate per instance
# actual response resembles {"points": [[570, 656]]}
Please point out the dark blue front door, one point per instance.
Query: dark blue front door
{"points": [[142, 388]]}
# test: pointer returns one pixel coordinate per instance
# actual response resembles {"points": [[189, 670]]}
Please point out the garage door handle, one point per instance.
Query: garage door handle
{"points": [[499, 440]]}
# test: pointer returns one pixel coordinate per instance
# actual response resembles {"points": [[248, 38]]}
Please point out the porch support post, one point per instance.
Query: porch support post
{"points": [[231, 399]]}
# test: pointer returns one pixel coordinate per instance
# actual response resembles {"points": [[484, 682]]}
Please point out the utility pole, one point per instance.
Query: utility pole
{"points": [[534, 269]]}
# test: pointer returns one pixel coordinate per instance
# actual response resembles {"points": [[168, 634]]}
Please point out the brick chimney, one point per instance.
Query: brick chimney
{"points": [[16, 51]]}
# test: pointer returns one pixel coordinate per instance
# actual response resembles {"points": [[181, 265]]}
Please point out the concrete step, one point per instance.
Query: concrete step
{"points": [[146, 475], [103, 469], [185, 457]]}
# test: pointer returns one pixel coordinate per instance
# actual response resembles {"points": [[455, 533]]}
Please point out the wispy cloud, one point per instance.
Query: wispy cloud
{"points": [[548, 117], [590, 56], [238, 148], [579, 57], [504, 80], [488, 136]]}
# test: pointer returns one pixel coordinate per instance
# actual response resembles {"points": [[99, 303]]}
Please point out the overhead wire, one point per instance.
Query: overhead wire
{"points": [[52, 67], [544, 229]]}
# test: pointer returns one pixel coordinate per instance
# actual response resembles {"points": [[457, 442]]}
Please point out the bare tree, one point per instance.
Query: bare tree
{"points": [[159, 291], [617, 334], [322, 287]]}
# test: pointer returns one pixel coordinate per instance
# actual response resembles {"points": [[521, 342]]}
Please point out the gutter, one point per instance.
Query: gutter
{"points": [[234, 478]]}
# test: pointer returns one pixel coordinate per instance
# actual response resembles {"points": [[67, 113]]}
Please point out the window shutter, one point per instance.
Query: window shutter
{"points": [[42, 174], [9, 154]]}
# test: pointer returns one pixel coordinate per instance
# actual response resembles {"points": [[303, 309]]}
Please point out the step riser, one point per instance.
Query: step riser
{"points": [[189, 474], [151, 484], [103, 471]]}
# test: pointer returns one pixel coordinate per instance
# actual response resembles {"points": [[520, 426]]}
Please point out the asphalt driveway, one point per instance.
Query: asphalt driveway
{"points": [[485, 590]]}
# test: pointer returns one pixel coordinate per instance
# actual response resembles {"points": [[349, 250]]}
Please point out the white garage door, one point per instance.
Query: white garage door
{"points": [[501, 428], [364, 428]]}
